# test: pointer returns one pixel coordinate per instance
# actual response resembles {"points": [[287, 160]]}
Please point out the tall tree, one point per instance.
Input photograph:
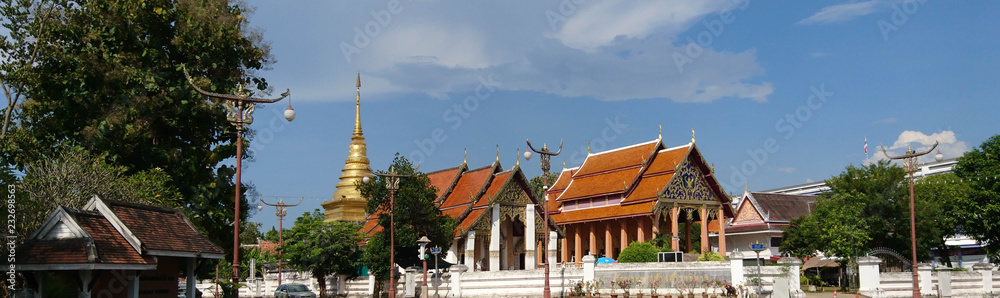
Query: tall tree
{"points": [[980, 210], [415, 214], [323, 248], [105, 76]]}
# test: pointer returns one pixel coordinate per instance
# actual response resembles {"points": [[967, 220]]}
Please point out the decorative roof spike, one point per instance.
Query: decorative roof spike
{"points": [[746, 188], [564, 163], [466, 156], [498, 154], [659, 135], [692, 136], [357, 109], [588, 147], [713, 169], [517, 163]]}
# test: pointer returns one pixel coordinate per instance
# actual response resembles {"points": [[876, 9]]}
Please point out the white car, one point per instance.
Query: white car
{"points": [[293, 291]]}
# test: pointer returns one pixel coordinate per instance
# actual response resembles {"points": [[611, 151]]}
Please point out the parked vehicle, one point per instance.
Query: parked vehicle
{"points": [[293, 291]]}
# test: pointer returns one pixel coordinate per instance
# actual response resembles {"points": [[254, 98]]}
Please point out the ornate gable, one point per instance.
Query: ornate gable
{"points": [[688, 186], [747, 213]]}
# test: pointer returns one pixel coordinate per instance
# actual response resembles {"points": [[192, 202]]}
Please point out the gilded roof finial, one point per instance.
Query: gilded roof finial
{"points": [[692, 136], [517, 153], [564, 163], [745, 188], [498, 154], [659, 135], [588, 147], [357, 109], [466, 156]]}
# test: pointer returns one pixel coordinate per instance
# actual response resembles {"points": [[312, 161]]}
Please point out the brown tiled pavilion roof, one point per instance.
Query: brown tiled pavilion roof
{"points": [[665, 160], [443, 180], [108, 245], [499, 180], [470, 184], [648, 188], [463, 227], [162, 229], [597, 185], [783, 207]]}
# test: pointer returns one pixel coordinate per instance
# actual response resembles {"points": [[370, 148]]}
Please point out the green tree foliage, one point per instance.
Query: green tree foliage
{"points": [[868, 207], [638, 252], [979, 213], [415, 214], [710, 257], [74, 177], [323, 248], [105, 76], [537, 182]]}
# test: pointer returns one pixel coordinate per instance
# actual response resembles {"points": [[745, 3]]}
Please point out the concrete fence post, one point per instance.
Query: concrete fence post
{"points": [[736, 267], [868, 275], [794, 277], [944, 281], [589, 262], [371, 282], [925, 274], [986, 271], [456, 278]]}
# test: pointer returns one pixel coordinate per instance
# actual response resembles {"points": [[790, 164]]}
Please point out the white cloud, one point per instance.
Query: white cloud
{"points": [[948, 145], [786, 170], [809, 180], [608, 50], [841, 12]]}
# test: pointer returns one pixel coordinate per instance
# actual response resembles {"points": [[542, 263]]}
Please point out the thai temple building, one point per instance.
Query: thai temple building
{"points": [[501, 224], [635, 193], [347, 203]]}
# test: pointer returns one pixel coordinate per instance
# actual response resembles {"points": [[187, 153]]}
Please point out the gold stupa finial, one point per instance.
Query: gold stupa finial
{"points": [[498, 154], [357, 109], [659, 135], [692, 136], [588, 147], [564, 163], [466, 156]]}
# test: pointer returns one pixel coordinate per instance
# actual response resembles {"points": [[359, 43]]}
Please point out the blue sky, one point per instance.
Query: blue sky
{"points": [[779, 92]]}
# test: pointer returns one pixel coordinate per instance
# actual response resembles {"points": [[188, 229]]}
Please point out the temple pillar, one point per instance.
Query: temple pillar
{"points": [[593, 239], [623, 230], [656, 224], [470, 250], [674, 220], [452, 255], [703, 212], [529, 237], [553, 237], [577, 245], [687, 230], [565, 245], [640, 235], [609, 241], [722, 231], [495, 239]]}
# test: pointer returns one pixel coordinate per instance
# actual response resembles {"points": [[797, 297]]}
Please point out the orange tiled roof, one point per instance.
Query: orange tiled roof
{"points": [[468, 185], [443, 179], [603, 213], [617, 158], [563, 180], [470, 219], [648, 188], [606, 183], [498, 182], [667, 159], [162, 229]]}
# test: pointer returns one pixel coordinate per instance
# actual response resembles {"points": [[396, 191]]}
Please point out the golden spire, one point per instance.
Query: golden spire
{"points": [[564, 163], [498, 154], [347, 203], [659, 135], [692, 136], [588, 147], [466, 156], [357, 108]]}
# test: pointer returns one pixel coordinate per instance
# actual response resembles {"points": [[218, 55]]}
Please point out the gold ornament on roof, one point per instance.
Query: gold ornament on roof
{"points": [[692, 136]]}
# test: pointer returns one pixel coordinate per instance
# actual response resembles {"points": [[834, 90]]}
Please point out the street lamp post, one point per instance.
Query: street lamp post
{"points": [[280, 210], [910, 161], [545, 157], [392, 185], [239, 112], [423, 249]]}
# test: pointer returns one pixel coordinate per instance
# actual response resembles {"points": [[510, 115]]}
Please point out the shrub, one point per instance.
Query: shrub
{"points": [[710, 256], [638, 252]]}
